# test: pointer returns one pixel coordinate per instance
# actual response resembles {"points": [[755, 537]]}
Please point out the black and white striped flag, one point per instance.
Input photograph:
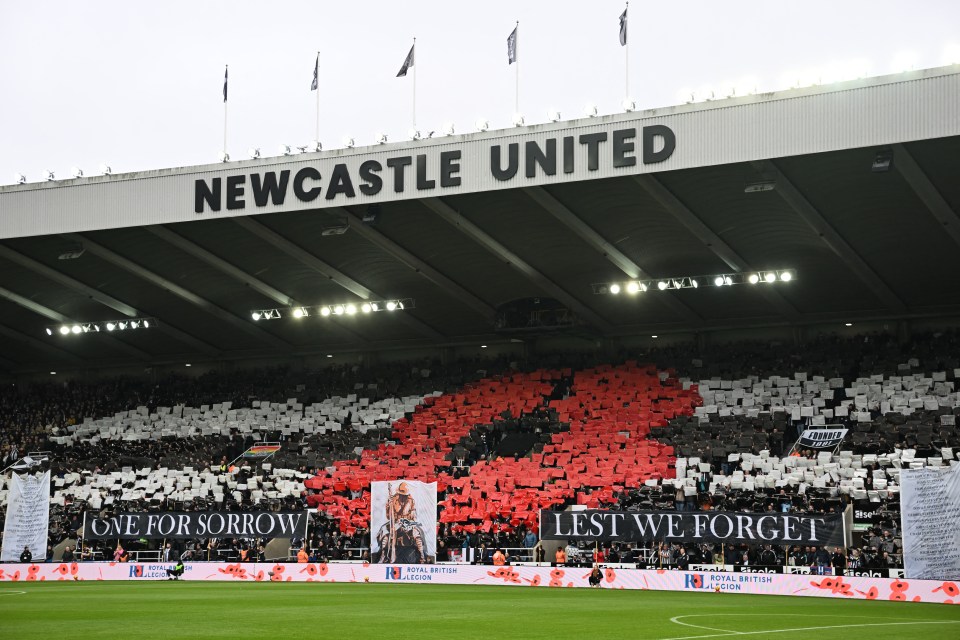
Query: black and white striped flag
{"points": [[316, 68], [407, 63], [512, 46], [225, 70], [623, 28]]}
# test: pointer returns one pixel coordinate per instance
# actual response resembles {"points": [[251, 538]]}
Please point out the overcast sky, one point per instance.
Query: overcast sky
{"points": [[139, 85]]}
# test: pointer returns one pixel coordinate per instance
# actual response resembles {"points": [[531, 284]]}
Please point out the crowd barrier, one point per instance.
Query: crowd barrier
{"points": [[863, 588]]}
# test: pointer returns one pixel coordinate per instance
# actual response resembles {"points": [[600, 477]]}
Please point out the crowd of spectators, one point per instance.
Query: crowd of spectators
{"points": [[31, 413]]}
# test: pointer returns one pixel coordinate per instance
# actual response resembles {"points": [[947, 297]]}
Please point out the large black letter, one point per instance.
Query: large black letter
{"points": [[568, 164], [373, 182], [340, 183], [235, 192], [266, 189], [534, 156], [621, 148], [513, 152], [422, 183], [397, 164], [210, 195], [448, 167], [669, 143], [593, 140], [306, 195]]}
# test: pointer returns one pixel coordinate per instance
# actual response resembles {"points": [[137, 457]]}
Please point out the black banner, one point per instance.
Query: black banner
{"points": [[821, 438], [214, 524], [693, 526]]}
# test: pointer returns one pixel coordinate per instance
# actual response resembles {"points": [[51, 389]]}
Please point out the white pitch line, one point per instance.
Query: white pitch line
{"points": [[9, 592], [836, 626]]}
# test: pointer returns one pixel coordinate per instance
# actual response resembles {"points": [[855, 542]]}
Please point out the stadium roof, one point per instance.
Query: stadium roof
{"points": [[853, 186]]}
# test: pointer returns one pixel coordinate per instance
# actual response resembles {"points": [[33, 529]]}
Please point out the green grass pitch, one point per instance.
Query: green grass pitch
{"points": [[77, 611]]}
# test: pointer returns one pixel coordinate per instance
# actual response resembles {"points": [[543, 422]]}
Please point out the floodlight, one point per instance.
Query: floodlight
{"points": [[770, 277], [590, 110], [49, 331], [111, 326], [482, 125], [718, 281], [786, 276], [951, 54], [614, 289], [325, 311], [662, 285], [726, 90], [685, 96], [105, 169], [351, 309], [365, 307], [348, 142], [694, 283], [329, 355], [628, 105], [19, 178], [285, 150], [746, 86], [76, 172], [633, 287], [553, 115], [49, 175], [789, 80], [76, 329], [848, 324], [414, 134], [135, 325], [254, 152], [754, 278], [391, 305], [374, 306], [146, 324], [255, 315], [224, 156], [518, 120], [653, 336], [727, 280], [298, 312], [381, 138], [448, 129], [122, 326], [338, 310], [705, 93], [809, 78], [904, 61], [315, 146]]}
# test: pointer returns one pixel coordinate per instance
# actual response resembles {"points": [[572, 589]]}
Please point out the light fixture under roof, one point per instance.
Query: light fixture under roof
{"points": [[337, 309], [79, 328], [771, 277]]}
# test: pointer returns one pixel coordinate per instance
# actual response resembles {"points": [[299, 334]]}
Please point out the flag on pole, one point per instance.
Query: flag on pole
{"points": [[512, 46], [316, 68], [623, 28], [225, 70], [407, 63]]}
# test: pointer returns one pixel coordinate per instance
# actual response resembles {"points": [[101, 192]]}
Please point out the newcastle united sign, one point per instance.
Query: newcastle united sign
{"points": [[693, 526], [217, 524], [341, 180]]}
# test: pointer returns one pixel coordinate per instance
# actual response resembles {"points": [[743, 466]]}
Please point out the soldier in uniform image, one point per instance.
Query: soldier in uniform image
{"points": [[401, 538]]}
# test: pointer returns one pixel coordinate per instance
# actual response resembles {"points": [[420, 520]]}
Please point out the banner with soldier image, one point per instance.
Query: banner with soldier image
{"points": [[403, 522]]}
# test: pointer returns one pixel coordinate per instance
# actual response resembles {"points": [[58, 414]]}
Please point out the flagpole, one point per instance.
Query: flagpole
{"points": [[317, 68], [414, 84], [225, 74], [516, 53], [627, 54]]}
